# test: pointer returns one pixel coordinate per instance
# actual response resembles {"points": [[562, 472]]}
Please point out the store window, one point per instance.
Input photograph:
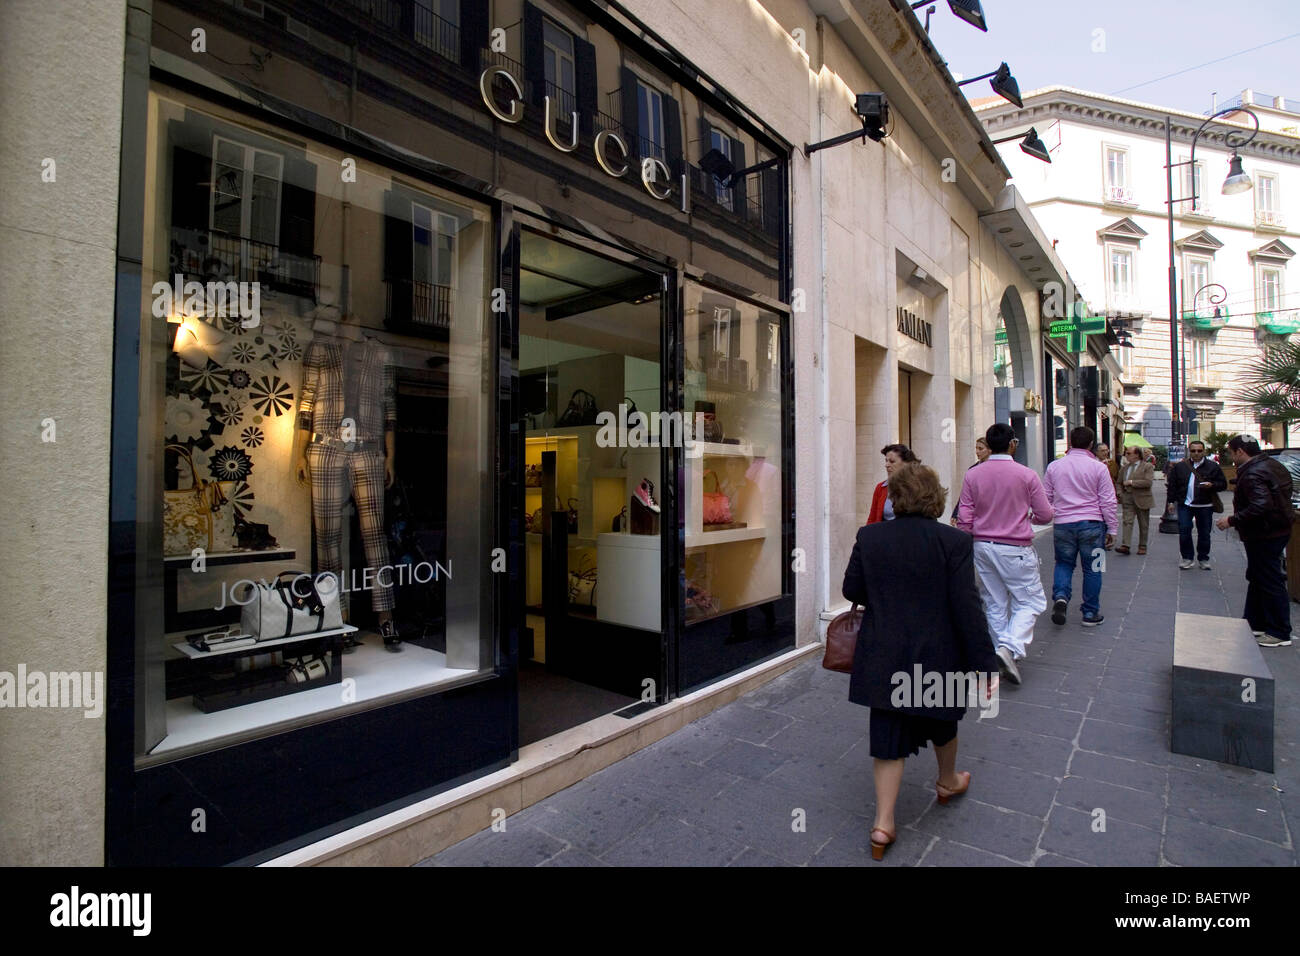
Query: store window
{"points": [[318, 452], [733, 478]]}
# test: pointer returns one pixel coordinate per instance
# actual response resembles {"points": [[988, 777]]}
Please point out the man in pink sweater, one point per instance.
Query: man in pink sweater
{"points": [[997, 499], [1084, 500]]}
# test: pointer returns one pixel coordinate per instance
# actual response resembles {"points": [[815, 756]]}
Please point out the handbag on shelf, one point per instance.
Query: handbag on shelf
{"points": [[842, 640], [572, 515], [581, 410], [252, 536], [717, 506], [619, 521], [306, 669], [291, 605], [533, 522], [533, 476], [196, 517]]}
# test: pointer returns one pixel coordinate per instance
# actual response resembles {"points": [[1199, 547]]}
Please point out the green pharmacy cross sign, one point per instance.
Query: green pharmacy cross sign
{"points": [[1075, 330]]}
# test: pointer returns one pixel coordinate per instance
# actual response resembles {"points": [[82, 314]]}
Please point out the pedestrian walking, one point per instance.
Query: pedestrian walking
{"points": [[916, 580], [996, 501], [1134, 484], [1263, 514], [981, 456], [1112, 466], [1193, 488], [1083, 500], [882, 509]]}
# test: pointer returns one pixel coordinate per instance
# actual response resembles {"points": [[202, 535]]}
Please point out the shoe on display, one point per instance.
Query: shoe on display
{"points": [[1186, 563], [1268, 640], [1093, 621], [645, 493], [1058, 611], [392, 641], [1205, 565], [1007, 665]]}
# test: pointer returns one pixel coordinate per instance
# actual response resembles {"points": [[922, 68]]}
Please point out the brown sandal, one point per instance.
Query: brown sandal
{"points": [[1122, 549], [944, 794], [1142, 550], [878, 847]]}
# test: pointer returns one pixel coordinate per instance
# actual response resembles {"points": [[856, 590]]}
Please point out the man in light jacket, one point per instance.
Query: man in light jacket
{"points": [[996, 501], [1134, 487], [1083, 499]]}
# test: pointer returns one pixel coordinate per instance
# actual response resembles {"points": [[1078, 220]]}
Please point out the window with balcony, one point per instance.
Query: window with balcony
{"points": [[433, 262], [559, 65], [650, 121], [1118, 188], [1268, 209], [246, 192], [722, 143], [437, 26], [1196, 276], [1198, 358], [1194, 185]]}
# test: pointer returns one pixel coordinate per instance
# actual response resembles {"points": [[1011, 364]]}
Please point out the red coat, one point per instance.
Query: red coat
{"points": [[878, 503]]}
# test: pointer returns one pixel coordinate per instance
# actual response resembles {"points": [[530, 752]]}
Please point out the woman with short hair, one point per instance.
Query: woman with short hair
{"points": [[915, 579], [881, 508]]}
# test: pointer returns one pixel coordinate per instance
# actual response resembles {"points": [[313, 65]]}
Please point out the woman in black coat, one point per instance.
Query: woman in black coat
{"points": [[924, 643]]}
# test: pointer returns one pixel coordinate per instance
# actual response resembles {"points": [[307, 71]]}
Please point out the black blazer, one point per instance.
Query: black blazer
{"points": [[915, 578], [1176, 482]]}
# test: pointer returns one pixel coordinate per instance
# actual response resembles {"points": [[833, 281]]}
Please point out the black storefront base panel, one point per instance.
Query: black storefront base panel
{"points": [[295, 788]]}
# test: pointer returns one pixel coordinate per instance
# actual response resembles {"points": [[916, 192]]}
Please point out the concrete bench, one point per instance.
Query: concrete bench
{"points": [[1222, 693]]}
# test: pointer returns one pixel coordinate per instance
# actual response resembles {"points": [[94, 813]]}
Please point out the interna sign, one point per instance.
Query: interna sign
{"points": [[653, 171]]}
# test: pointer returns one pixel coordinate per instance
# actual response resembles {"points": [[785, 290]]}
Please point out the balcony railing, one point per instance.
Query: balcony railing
{"points": [[1134, 375], [1206, 318], [1204, 378], [210, 256], [1269, 219], [437, 34], [1199, 210], [1278, 323], [1121, 195], [429, 303]]}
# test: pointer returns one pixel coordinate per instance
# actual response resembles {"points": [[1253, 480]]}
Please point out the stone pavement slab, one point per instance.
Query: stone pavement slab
{"points": [[1075, 770]]}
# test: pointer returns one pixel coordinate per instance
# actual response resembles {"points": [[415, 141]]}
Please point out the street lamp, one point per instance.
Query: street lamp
{"points": [[1003, 83], [1236, 182], [968, 10], [1029, 144]]}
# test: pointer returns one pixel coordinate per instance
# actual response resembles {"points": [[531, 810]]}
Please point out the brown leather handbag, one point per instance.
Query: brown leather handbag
{"points": [[842, 640]]}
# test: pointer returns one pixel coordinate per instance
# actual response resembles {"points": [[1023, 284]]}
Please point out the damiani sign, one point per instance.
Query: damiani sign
{"points": [[915, 327]]}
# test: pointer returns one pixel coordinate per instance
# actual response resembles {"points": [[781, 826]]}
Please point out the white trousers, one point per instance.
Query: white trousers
{"points": [[1011, 586]]}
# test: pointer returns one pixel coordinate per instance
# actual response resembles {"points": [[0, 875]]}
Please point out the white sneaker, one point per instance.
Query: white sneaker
{"points": [[1187, 563], [1205, 565]]}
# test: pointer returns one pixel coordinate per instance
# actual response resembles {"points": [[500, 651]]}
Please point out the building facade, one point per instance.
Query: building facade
{"points": [[438, 323], [1103, 201]]}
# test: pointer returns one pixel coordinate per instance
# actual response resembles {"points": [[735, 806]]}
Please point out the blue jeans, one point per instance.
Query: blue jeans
{"points": [[1204, 518], [1080, 541]]}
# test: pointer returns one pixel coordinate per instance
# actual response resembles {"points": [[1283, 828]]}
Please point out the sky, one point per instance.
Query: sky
{"points": [[1137, 42]]}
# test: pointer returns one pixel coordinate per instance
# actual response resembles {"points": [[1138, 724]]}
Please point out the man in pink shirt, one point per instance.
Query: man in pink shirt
{"points": [[1084, 501], [996, 501]]}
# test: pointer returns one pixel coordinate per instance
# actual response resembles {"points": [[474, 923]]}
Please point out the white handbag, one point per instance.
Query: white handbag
{"points": [[294, 603]]}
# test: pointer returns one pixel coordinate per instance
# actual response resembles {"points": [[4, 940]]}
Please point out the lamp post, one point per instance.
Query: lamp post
{"points": [[1236, 182]]}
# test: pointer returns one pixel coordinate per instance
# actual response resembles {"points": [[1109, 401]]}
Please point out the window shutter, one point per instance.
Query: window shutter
{"points": [[773, 213], [191, 173], [738, 187], [473, 33], [706, 143], [673, 135], [631, 116], [298, 208], [584, 66], [397, 255], [534, 55]]}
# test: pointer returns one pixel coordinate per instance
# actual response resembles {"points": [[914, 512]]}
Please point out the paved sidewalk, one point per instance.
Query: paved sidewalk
{"points": [[1088, 730]]}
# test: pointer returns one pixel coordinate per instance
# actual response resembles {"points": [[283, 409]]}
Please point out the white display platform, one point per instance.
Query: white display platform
{"points": [[375, 673], [192, 652], [628, 581]]}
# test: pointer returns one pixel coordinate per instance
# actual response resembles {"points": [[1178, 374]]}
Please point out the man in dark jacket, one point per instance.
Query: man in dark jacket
{"points": [[1262, 515], [1195, 501]]}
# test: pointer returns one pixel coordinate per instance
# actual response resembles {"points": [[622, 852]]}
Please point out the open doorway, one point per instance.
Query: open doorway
{"points": [[589, 343]]}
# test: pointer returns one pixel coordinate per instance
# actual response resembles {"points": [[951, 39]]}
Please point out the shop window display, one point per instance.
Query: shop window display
{"points": [[732, 479], [317, 398]]}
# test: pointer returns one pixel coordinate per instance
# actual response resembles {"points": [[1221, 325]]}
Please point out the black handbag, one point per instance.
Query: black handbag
{"points": [[581, 410]]}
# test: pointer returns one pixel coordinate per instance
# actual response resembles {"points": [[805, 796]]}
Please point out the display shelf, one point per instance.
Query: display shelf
{"points": [[714, 449], [192, 652], [705, 539]]}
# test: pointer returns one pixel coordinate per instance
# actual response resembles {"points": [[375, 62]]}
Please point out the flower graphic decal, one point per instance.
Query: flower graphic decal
{"points": [[243, 353], [252, 436], [271, 395], [229, 413], [230, 464], [241, 497], [210, 378], [240, 379], [290, 350], [187, 419]]}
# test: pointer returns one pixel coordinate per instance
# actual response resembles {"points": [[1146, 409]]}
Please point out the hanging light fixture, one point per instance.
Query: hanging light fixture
{"points": [[1003, 83], [1237, 181], [968, 10], [1029, 144]]}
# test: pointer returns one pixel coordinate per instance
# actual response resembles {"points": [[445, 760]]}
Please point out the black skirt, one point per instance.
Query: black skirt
{"points": [[895, 735]]}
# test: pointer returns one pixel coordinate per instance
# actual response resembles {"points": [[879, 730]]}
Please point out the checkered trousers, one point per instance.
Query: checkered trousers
{"points": [[336, 475]]}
